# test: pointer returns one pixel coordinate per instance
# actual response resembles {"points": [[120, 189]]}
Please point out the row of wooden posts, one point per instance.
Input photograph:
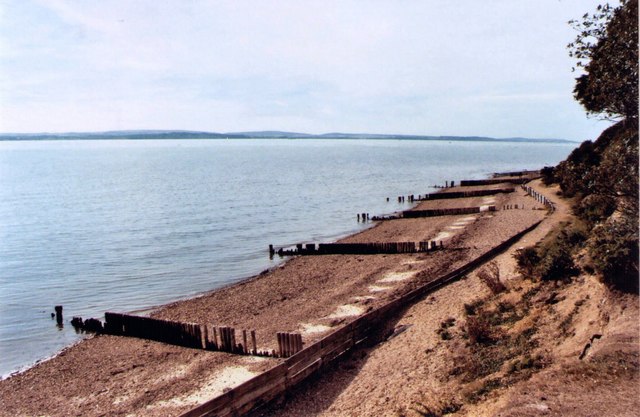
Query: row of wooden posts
{"points": [[372, 248], [438, 196], [289, 344], [517, 173], [410, 214], [466, 194], [491, 181], [363, 217], [412, 197], [539, 197], [191, 335]]}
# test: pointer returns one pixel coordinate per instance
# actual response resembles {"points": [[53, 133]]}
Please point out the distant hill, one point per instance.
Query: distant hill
{"points": [[270, 134]]}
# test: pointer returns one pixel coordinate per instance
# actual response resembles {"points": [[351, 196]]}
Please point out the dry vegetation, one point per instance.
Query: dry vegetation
{"points": [[526, 329]]}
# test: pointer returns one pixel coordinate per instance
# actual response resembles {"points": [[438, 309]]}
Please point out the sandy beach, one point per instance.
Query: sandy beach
{"points": [[118, 376]]}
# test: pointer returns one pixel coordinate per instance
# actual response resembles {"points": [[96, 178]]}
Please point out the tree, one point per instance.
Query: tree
{"points": [[606, 48]]}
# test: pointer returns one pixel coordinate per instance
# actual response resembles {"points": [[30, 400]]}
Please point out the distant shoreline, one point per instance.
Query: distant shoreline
{"points": [[190, 135]]}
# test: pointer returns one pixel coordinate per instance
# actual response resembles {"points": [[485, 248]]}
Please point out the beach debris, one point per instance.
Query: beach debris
{"points": [[399, 329]]}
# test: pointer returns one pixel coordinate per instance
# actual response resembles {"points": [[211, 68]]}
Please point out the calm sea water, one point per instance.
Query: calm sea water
{"points": [[122, 225]]}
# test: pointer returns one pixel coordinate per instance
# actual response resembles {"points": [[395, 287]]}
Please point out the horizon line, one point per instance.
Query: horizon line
{"points": [[247, 134]]}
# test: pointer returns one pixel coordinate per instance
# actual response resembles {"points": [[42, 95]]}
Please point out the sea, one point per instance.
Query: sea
{"points": [[128, 225]]}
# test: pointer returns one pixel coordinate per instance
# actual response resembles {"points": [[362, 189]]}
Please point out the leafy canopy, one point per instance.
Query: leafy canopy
{"points": [[606, 49]]}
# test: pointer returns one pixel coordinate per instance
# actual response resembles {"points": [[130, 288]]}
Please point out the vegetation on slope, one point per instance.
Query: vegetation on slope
{"points": [[601, 176]]}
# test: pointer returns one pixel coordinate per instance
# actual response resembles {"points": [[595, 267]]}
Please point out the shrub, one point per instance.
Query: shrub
{"points": [[553, 258], [443, 330], [479, 331], [595, 208], [575, 174], [470, 309], [527, 260], [548, 175], [490, 275], [556, 261], [614, 252]]}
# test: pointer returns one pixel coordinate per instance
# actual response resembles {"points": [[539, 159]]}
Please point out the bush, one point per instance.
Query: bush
{"points": [[443, 330], [490, 275], [471, 309], [614, 252], [595, 208], [527, 260], [575, 174], [479, 331], [553, 258], [556, 261], [548, 175]]}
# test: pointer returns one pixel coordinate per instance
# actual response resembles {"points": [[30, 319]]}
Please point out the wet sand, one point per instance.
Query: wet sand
{"points": [[118, 376]]}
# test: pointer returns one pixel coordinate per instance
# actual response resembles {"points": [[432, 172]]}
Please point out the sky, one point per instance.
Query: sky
{"points": [[497, 68]]}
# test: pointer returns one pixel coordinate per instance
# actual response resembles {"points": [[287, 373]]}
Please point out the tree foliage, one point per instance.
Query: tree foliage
{"points": [[602, 175], [606, 48]]}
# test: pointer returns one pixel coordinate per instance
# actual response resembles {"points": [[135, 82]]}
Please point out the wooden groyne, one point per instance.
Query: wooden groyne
{"points": [[171, 332], [465, 194], [190, 335], [372, 248], [493, 181], [273, 383], [411, 214], [531, 174]]}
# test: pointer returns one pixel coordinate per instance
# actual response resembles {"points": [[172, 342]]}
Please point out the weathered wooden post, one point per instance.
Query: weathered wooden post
{"points": [[280, 343], [233, 339], [224, 346], [215, 337], [203, 336], [253, 342], [58, 315]]}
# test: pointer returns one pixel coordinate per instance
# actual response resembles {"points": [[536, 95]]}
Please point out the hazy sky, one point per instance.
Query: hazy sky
{"points": [[492, 68]]}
